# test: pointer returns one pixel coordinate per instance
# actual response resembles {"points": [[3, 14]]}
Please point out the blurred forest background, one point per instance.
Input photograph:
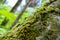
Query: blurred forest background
{"points": [[33, 19], [8, 12]]}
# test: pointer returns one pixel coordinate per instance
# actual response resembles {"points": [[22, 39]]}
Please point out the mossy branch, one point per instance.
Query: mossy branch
{"points": [[26, 29]]}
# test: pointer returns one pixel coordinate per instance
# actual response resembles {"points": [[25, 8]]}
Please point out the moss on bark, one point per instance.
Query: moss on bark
{"points": [[36, 24]]}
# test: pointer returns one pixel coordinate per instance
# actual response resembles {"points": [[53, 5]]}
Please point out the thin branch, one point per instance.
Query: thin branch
{"points": [[15, 6], [20, 14]]}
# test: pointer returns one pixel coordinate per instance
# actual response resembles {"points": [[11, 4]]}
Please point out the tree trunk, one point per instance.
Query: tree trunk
{"points": [[36, 24], [4, 22], [33, 3], [16, 6], [20, 14]]}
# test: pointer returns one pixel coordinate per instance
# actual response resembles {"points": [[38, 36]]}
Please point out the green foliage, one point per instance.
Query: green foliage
{"points": [[4, 13], [10, 17], [7, 14], [2, 31], [2, 1], [5, 7], [43, 22], [25, 15]]}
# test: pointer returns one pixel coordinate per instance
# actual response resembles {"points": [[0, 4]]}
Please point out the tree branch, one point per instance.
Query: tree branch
{"points": [[15, 6], [20, 14]]}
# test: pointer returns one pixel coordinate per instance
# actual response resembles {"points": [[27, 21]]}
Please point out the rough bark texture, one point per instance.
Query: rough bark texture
{"points": [[37, 24]]}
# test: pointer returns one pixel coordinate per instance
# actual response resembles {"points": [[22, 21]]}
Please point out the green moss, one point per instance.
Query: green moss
{"points": [[34, 25]]}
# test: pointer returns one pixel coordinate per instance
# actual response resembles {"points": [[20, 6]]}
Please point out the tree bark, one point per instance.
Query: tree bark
{"points": [[16, 6], [20, 14], [36, 24]]}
